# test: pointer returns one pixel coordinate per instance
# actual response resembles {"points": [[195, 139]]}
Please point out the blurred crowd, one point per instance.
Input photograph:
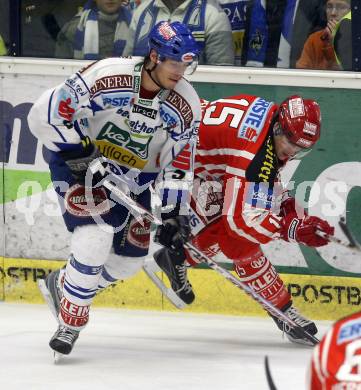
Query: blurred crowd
{"points": [[305, 34]]}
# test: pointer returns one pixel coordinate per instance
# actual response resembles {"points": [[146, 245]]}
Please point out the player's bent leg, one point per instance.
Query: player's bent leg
{"points": [[258, 273], [119, 267], [90, 247]]}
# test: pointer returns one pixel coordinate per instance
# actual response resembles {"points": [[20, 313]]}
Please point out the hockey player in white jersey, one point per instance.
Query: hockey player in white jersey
{"points": [[139, 119]]}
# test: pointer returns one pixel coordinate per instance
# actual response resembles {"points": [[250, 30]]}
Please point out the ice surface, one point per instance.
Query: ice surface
{"points": [[128, 350]]}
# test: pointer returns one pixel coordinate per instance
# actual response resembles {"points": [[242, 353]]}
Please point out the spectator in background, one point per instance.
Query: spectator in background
{"points": [[318, 52], [269, 32], [276, 30], [236, 12], [310, 17], [99, 31], [3, 51], [343, 42], [205, 18], [41, 22]]}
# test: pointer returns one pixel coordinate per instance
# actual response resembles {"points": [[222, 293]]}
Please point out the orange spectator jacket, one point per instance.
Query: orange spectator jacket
{"points": [[317, 54]]}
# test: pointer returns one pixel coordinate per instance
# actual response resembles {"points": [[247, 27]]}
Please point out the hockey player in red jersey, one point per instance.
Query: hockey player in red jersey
{"points": [[238, 204], [336, 361]]}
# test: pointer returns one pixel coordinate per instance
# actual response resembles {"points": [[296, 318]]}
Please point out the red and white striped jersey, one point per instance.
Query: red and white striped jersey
{"points": [[236, 149], [336, 361]]}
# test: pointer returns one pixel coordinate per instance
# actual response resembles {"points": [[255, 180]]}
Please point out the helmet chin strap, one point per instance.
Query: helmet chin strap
{"points": [[149, 71]]}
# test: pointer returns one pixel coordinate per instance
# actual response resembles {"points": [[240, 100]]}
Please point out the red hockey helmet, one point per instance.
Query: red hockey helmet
{"points": [[300, 120]]}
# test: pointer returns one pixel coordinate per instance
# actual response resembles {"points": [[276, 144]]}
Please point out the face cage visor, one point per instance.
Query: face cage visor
{"points": [[180, 67], [299, 152]]}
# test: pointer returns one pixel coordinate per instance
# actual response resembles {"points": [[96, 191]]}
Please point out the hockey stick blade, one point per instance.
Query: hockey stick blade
{"points": [[269, 307], [173, 298], [338, 241], [270, 382], [346, 231], [47, 297]]}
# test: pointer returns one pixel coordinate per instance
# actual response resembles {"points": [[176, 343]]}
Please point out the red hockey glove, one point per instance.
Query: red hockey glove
{"points": [[289, 206], [305, 230]]}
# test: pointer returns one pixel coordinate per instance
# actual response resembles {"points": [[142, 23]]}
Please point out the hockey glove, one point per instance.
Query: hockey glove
{"points": [[78, 162], [305, 230], [289, 206], [173, 233]]}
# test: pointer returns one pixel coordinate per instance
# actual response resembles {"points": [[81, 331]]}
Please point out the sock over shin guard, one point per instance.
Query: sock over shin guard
{"points": [[259, 274], [90, 248]]}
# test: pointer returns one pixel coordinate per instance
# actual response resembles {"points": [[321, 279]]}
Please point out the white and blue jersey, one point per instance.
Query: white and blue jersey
{"points": [[156, 136]]}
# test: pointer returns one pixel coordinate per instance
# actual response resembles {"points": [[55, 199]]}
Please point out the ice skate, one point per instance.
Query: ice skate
{"points": [[63, 340], [181, 293], [292, 313], [173, 266], [51, 290]]}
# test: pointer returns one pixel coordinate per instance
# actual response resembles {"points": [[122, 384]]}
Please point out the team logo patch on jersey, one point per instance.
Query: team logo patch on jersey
{"points": [[139, 235], [106, 83], [120, 155], [76, 87], [81, 204], [65, 109], [170, 121], [253, 122], [145, 111], [182, 107], [137, 144], [351, 330], [116, 101]]}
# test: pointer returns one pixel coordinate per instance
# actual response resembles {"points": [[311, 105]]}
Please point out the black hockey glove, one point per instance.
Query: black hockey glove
{"points": [[173, 233], [79, 161]]}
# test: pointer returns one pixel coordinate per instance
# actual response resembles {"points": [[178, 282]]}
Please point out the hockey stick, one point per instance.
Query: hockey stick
{"points": [[347, 232], [131, 204], [352, 244], [270, 382]]}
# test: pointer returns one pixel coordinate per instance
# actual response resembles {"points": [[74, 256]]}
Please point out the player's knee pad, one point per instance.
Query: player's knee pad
{"points": [[259, 274], [121, 267], [90, 245]]}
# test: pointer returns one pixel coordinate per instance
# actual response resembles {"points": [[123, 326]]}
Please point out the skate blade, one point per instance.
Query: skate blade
{"points": [[58, 357], [47, 297], [150, 268], [304, 342]]}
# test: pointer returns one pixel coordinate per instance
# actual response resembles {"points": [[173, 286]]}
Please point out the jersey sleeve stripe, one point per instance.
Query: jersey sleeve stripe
{"points": [[254, 218], [325, 350], [316, 363], [232, 210], [236, 171], [226, 152]]}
